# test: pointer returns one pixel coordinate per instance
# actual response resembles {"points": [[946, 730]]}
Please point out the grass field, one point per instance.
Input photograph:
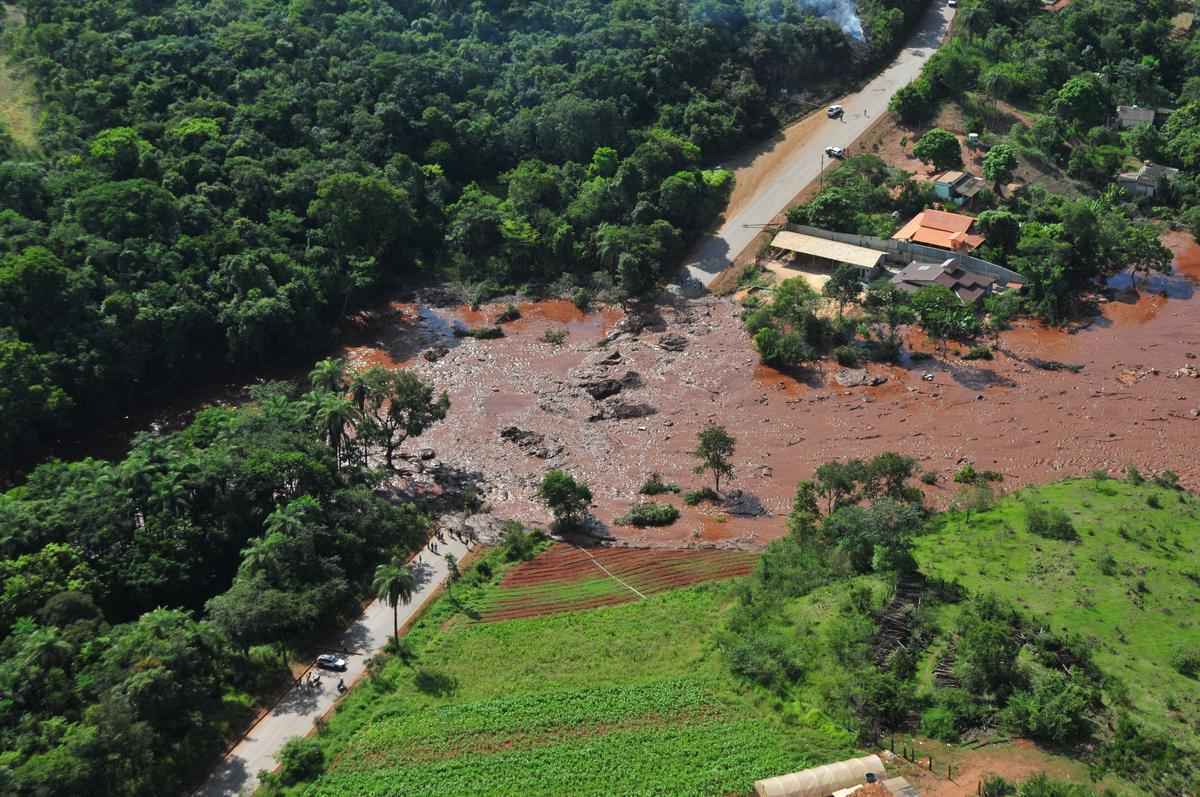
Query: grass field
{"points": [[632, 699], [1130, 584], [18, 100]]}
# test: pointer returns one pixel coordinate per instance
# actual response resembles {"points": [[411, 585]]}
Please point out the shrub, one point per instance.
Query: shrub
{"points": [[1168, 479], [1099, 475], [978, 353], [581, 298], [996, 786], [846, 356], [510, 313], [479, 333], [920, 356], [929, 477], [694, 497], [555, 337], [938, 723], [649, 514], [1052, 523], [1055, 711], [435, 683], [966, 474], [1108, 565], [1187, 662], [1133, 475], [1153, 502], [656, 486], [301, 759], [520, 544]]}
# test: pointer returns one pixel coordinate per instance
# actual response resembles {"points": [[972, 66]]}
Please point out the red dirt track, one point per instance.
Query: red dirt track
{"points": [[543, 586]]}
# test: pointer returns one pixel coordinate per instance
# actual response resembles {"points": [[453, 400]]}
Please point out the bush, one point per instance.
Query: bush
{"points": [[978, 353], [929, 477], [996, 786], [694, 497], [1108, 565], [520, 544], [301, 759], [1187, 662], [656, 486], [581, 298], [846, 356], [1153, 502], [510, 313], [1052, 523], [479, 333], [1055, 711], [555, 337], [1133, 475], [1168, 479], [966, 474], [938, 723], [649, 514]]}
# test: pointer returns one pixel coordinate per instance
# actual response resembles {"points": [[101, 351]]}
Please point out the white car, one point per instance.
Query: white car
{"points": [[835, 152], [835, 112], [330, 661]]}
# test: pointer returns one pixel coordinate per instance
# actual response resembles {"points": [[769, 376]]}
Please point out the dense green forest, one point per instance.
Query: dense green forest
{"points": [[217, 182], [146, 604]]}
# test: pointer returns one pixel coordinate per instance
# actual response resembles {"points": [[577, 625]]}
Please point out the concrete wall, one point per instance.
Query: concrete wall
{"points": [[902, 253]]}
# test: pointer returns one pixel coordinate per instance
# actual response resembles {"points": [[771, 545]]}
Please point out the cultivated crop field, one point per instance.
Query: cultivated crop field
{"points": [[631, 699], [565, 578]]}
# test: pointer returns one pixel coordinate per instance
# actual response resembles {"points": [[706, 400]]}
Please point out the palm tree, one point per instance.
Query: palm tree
{"points": [[334, 415], [329, 375], [394, 583]]}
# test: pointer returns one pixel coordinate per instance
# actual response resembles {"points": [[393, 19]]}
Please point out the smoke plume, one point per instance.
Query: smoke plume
{"points": [[842, 12]]}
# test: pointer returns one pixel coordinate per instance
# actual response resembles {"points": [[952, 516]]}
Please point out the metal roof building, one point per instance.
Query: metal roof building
{"points": [[832, 251]]}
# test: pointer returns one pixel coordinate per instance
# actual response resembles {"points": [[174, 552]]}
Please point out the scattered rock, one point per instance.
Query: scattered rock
{"points": [[1054, 365], [603, 388], [602, 359], [617, 410], [672, 342], [531, 443], [435, 353], [427, 453], [1187, 370], [743, 504], [857, 377]]}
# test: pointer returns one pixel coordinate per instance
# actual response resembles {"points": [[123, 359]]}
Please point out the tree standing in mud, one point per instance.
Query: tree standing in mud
{"points": [[713, 452], [395, 405], [566, 498]]}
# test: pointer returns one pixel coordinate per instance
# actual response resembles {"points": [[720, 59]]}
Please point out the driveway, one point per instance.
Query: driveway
{"points": [[794, 160], [295, 713]]}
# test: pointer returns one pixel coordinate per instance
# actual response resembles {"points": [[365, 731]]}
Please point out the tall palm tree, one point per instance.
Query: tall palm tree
{"points": [[329, 375], [335, 415], [395, 584]]}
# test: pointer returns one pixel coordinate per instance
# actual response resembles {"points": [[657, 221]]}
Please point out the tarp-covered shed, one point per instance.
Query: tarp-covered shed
{"points": [[821, 781]]}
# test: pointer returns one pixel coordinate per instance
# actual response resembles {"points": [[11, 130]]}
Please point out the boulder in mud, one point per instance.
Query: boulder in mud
{"points": [[857, 377], [672, 342], [602, 359], [603, 388], [1189, 371], [532, 443], [618, 410], [435, 353]]}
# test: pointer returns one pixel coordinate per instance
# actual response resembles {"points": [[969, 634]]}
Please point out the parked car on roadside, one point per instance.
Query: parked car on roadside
{"points": [[331, 661], [835, 112], [835, 152]]}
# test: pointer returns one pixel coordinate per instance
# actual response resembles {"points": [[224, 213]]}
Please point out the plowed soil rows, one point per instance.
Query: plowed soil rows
{"points": [[565, 578]]}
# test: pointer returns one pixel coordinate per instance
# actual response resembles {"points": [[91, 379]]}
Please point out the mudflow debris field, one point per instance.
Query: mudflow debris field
{"points": [[565, 578]]}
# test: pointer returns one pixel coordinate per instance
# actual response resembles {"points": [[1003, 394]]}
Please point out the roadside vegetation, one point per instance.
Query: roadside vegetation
{"points": [[149, 605]]}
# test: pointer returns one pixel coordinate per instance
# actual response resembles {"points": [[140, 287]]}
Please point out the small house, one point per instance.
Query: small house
{"points": [[957, 187], [969, 286], [822, 255], [941, 230], [1146, 181], [1133, 115]]}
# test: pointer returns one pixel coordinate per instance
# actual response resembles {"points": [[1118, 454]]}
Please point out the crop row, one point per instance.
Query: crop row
{"points": [[705, 758], [501, 719]]}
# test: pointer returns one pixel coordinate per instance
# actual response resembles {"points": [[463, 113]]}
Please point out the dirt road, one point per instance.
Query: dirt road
{"points": [[769, 176], [295, 713]]}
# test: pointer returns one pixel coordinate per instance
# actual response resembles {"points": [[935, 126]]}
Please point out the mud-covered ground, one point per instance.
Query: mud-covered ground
{"points": [[1008, 415]]}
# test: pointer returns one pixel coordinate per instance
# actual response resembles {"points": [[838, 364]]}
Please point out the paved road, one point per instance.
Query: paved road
{"points": [[295, 713], [803, 164]]}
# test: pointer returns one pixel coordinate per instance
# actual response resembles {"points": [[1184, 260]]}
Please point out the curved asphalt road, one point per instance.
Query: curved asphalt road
{"points": [[715, 252], [295, 714]]}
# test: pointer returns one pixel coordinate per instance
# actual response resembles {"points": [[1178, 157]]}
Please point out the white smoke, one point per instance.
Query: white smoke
{"points": [[842, 12]]}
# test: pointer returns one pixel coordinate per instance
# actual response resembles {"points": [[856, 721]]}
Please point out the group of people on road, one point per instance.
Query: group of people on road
{"points": [[439, 538], [313, 683]]}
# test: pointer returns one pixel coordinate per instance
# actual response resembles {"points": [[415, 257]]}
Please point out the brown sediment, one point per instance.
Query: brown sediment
{"points": [[1187, 253]]}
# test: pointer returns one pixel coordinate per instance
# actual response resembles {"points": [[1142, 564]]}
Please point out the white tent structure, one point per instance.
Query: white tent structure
{"points": [[821, 781]]}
